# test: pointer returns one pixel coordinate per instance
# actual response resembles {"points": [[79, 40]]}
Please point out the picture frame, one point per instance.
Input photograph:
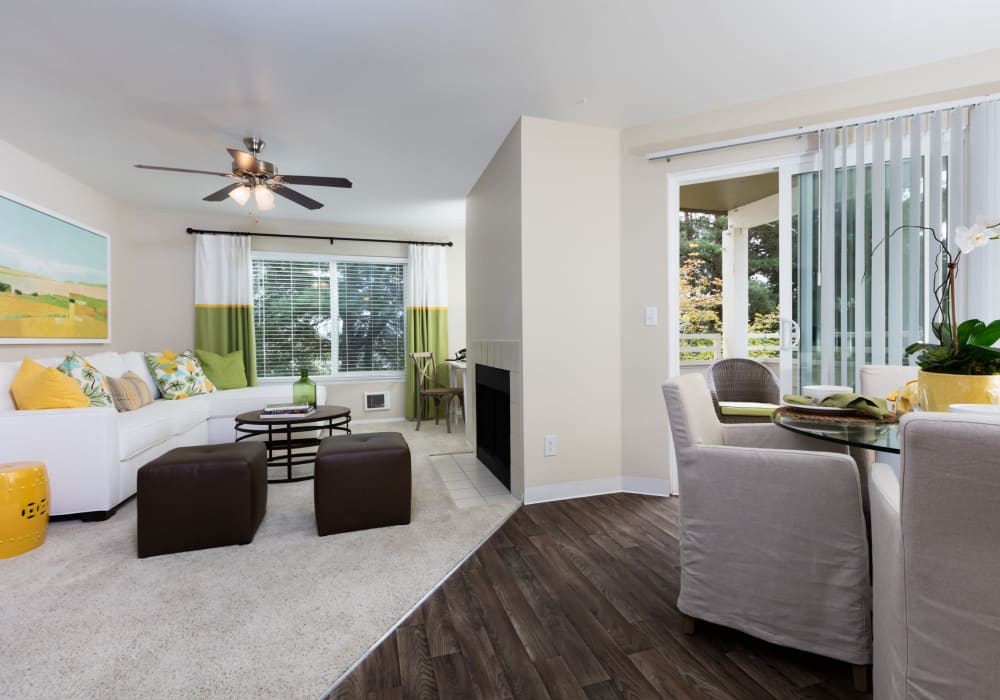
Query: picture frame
{"points": [[55, 277]]}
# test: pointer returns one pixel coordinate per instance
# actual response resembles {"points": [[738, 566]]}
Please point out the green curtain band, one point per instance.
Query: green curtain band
{"points": [[222, 329], [426, 331]]}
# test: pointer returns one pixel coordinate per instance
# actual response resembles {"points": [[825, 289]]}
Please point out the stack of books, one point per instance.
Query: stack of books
{"points": [[286, 410]]}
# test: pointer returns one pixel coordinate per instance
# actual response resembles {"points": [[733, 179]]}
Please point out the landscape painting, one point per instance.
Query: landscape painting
{"points": [[54, 278]]}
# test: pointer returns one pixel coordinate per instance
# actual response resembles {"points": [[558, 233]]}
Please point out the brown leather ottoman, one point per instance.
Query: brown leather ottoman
{"points": [[202, 496], [362, 481]]}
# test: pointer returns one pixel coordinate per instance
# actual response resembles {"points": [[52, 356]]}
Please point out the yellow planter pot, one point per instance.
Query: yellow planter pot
{"points": [[937, 391]]}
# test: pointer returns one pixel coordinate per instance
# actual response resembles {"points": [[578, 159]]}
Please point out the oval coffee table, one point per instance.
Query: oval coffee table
{"points": [[286, 445]]}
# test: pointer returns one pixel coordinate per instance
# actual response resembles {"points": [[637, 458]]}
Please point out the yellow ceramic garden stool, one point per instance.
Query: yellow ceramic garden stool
{"points": [[24, 507]]}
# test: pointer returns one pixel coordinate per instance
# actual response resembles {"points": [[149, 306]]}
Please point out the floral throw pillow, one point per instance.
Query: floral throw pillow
{"points": [[90, 379], [178, 376]]}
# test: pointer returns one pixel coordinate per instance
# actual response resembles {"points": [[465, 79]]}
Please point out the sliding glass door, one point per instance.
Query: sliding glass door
{"points": [[860, 295]]}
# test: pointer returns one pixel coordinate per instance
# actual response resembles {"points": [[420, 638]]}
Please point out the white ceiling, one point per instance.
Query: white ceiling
{"points": [[411, 98]]}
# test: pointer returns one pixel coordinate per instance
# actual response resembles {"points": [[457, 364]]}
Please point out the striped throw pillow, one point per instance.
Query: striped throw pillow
{"points": [[129, 392]]}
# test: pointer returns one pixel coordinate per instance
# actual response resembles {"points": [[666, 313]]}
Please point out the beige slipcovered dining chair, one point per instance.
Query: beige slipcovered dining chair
{"points": [[772, 534], [882, 380], [936, 560], [742, 379]]}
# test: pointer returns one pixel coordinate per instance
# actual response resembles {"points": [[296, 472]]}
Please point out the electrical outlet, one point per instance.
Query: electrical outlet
{"points": [[551, 445]]}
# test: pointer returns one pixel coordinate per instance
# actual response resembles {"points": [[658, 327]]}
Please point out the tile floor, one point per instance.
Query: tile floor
{"points": [[468, 481]]}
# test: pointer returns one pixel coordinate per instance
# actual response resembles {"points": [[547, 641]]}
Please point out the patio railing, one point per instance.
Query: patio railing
{"points": [[703, 348]]}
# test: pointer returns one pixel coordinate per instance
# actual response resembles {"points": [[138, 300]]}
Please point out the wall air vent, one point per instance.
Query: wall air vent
{"points": [[376, 400]]}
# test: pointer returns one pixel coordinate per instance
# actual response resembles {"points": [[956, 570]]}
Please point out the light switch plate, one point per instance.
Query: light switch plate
{"points": [[651, 315], [551, 446]]}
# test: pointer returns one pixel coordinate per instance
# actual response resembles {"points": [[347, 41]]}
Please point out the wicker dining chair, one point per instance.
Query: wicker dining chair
{"points": [[428, 388], [741, 379]]}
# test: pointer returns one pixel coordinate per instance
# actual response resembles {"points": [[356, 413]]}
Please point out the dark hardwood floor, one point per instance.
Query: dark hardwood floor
{"points": [[576, 599]]}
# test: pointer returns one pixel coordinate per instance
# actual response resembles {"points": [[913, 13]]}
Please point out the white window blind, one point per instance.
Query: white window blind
{"points": [[371, 313], [329, 316]]}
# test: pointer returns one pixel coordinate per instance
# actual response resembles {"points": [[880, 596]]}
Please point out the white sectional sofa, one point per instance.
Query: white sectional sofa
{"points": [[92, 454]]}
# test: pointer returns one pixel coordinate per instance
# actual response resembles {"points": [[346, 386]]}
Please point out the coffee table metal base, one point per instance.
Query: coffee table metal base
{"points": [[284, 438]]}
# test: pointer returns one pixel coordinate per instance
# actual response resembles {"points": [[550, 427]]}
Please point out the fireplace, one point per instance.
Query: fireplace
{"points": [[493, 420]]}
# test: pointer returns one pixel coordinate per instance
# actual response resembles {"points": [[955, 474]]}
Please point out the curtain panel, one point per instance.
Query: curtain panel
{"points": [[426, 314], [223, 302]]}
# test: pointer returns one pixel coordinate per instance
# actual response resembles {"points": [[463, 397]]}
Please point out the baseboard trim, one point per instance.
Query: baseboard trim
{"points": [[596, 487], [367, 421], [646, 486], [572, 489]]}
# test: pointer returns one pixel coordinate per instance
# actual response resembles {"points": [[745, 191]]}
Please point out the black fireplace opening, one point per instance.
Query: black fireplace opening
{"points": [[493, 421]]}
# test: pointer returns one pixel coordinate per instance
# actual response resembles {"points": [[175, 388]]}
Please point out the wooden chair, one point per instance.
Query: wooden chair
{"points": [[428, 387]]}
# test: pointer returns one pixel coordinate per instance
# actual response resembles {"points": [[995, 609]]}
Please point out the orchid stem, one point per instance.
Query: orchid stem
{"points": [[951, 293]]}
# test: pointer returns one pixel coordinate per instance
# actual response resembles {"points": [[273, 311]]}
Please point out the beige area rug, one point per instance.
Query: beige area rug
{"points": [[282, 617]]}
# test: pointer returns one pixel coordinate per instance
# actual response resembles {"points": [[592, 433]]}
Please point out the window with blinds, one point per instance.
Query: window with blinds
{"points": [[330, 316]]}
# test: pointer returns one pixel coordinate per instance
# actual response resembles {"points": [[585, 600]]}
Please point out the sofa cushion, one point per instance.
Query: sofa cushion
{"points": [[129, 392], [188, 413], [90, 379], [224, 371], [8, 370], [178, 375], [36, 387], [157, 423], [110, 364], [136, 362], [140, 430]]}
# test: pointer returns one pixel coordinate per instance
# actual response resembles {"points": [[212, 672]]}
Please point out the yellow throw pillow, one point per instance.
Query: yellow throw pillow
{"points": [[36, 386]]}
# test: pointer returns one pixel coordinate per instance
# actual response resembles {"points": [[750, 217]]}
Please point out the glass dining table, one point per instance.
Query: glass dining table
{"points": [[850, 431]]}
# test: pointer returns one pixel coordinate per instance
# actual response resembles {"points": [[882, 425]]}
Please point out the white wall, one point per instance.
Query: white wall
{"points": [[646, 351], [493, 286], [34, 182], [493, 245], [571, 284]]}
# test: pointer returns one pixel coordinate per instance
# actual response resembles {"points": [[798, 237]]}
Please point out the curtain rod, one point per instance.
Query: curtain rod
{"points": [[814, 128], [203, 232]]}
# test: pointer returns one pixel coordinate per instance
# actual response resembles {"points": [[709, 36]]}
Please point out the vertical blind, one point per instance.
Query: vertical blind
{"points": [[872, 285]]}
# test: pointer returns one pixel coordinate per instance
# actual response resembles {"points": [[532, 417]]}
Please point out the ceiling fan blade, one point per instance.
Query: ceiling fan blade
{"points": [[296, 197], [244, 161], [221, 195], [315, 180], [183, 170]]}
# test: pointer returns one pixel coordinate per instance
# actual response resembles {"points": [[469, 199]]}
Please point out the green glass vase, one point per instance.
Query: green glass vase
{"points": [[304, 390]]}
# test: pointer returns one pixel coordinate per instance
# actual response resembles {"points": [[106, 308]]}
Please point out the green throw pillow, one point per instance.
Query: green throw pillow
{"points": [[225, 371]]}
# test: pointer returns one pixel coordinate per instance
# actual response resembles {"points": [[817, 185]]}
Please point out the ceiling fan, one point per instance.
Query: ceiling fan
{"points": [[260, 178]]}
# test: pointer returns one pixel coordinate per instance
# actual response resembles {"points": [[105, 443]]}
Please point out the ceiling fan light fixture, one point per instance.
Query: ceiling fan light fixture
{"points": [[264, 197], [241, 195]]}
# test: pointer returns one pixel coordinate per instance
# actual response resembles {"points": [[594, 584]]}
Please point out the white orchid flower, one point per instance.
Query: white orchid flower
{"points": [[968, 238]]}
